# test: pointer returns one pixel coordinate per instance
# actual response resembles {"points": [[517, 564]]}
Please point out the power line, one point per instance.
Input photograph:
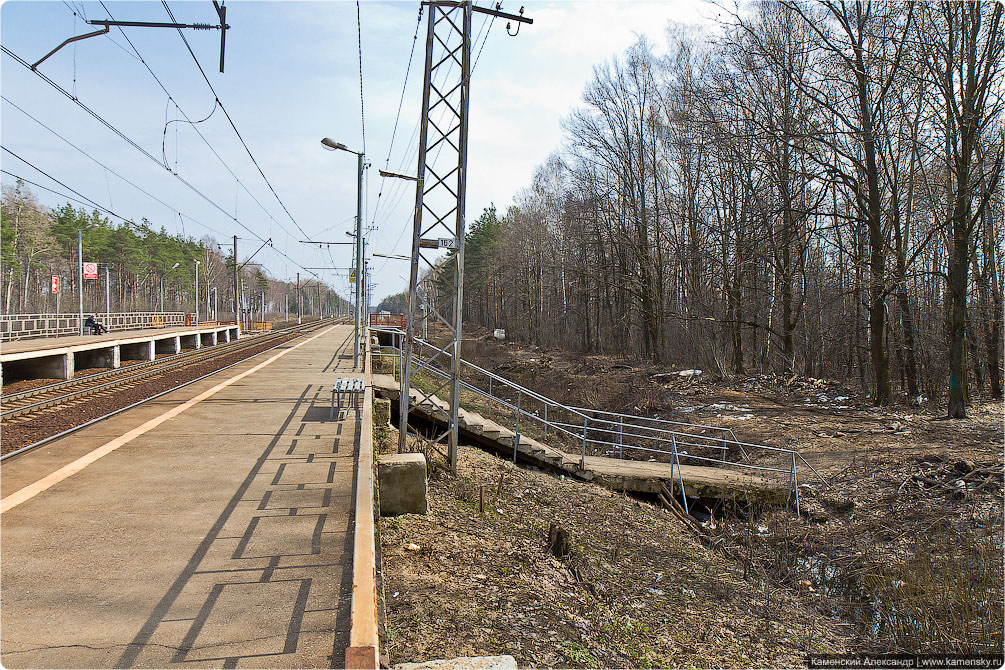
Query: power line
{"points": [[359, 43], [50, 190], [131, 183], [123, 136], [401, 101], [198, 132], [232, 125], [412, 152], [400, 192], [411, 148], [69, 188], [146, 153], [77, 102], [486, 39]]}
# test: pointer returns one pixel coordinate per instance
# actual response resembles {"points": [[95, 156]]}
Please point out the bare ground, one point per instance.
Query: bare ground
{"points": [[899, 551], [638, 590]]}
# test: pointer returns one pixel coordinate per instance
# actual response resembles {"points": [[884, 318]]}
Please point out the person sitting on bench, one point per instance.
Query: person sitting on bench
{"points": [[94, 325]]}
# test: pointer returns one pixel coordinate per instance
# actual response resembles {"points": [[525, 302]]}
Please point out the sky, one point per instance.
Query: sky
{"points": [[292, 77]]}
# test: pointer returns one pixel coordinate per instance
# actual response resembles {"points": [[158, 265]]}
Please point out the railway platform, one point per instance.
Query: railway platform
{"points": [[60, 357], [211, 527]]}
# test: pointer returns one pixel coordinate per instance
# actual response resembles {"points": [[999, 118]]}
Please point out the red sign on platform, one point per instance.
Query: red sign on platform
{"points": [[90, 270], [55, 283]]}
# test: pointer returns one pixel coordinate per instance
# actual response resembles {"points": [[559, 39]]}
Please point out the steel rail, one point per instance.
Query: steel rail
{"points": [[156, 368], [87, 379], [90, 422]]}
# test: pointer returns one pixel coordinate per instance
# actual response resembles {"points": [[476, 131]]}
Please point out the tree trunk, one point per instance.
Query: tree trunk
{"points": [[958, 272]]}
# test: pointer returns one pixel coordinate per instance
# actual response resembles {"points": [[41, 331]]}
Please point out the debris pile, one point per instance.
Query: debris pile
{"points": [[935, 473]]}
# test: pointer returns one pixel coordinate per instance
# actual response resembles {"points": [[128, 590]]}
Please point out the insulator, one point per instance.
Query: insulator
{"points": [[202, 26]]}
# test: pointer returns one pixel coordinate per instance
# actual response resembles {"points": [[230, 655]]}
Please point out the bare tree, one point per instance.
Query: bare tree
{"points": [[963, 52]]}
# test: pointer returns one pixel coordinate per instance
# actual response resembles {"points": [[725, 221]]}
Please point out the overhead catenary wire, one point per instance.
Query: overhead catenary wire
{"points": [[108, 169], [79, 201], [80, 13], [198, 132], [77, 102], [132, 143], [38, 169], [483, 33], [69, 188], [233, 125]]}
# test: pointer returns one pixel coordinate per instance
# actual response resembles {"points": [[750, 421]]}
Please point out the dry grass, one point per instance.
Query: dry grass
{"points": [[637, 590], [909, 565]]}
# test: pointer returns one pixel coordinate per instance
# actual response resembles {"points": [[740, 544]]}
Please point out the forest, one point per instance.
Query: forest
{"points": [[147, 269], [816, 190]]}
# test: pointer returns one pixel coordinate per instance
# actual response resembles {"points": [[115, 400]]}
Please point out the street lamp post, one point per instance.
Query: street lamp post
{"points": [[108, 296], [80, 276], [162, 285], [332, 145], [197, 293]]}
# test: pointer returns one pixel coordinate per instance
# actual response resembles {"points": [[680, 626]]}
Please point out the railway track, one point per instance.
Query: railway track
{"points": [[35, 416]]}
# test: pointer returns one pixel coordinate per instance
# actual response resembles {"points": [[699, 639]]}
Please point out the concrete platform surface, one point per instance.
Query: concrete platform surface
{"points": [[219, 538]]}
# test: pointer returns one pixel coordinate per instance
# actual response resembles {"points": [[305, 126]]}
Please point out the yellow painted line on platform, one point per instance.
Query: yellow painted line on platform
{"points": [[32, 490]]}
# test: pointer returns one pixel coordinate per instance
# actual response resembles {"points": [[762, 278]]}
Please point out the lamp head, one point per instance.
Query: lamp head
{"points": [[175, 265], [331, 145]]}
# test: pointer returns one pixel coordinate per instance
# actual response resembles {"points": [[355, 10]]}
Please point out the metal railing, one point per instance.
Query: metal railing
{"points": [[28, 326], [387, 321], [625, 436]]}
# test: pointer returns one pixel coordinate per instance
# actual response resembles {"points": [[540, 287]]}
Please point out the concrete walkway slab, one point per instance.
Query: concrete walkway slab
{"points": [[220, 538]]}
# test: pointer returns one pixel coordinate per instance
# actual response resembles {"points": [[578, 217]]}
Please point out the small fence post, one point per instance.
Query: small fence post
{"points": [[518, 412], [491, 397], [680, 475], [794, 482], [582, 460], [545, 422], [621, 436]]}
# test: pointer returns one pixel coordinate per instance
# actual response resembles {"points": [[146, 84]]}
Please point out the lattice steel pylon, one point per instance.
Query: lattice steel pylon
{"points": [[441, 181]]}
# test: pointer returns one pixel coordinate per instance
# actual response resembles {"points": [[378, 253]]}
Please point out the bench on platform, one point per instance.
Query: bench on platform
{"points": [[345, 386]]}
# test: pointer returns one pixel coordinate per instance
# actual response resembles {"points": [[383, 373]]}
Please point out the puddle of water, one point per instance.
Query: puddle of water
{"points": [[881, 606], [859, 596]]}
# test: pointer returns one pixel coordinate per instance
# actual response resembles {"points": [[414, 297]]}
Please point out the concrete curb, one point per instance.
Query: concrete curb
{"points": [[362, 651]]}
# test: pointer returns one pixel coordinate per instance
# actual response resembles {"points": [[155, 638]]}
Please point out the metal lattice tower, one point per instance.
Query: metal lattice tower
{"points": [[441, 179]]}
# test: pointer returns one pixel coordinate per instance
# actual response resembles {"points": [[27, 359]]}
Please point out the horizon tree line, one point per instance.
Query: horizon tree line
{"points": [[816, 191]]}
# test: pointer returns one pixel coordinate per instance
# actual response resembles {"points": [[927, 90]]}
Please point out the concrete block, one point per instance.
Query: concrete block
{"points": [[504, 662], [402, 482], [168, 345], [381, 412], [189, 341], [56, 367]]}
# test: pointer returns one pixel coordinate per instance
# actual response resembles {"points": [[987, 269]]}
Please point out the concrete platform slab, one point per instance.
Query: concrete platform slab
{"points": [[204, 542]]}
